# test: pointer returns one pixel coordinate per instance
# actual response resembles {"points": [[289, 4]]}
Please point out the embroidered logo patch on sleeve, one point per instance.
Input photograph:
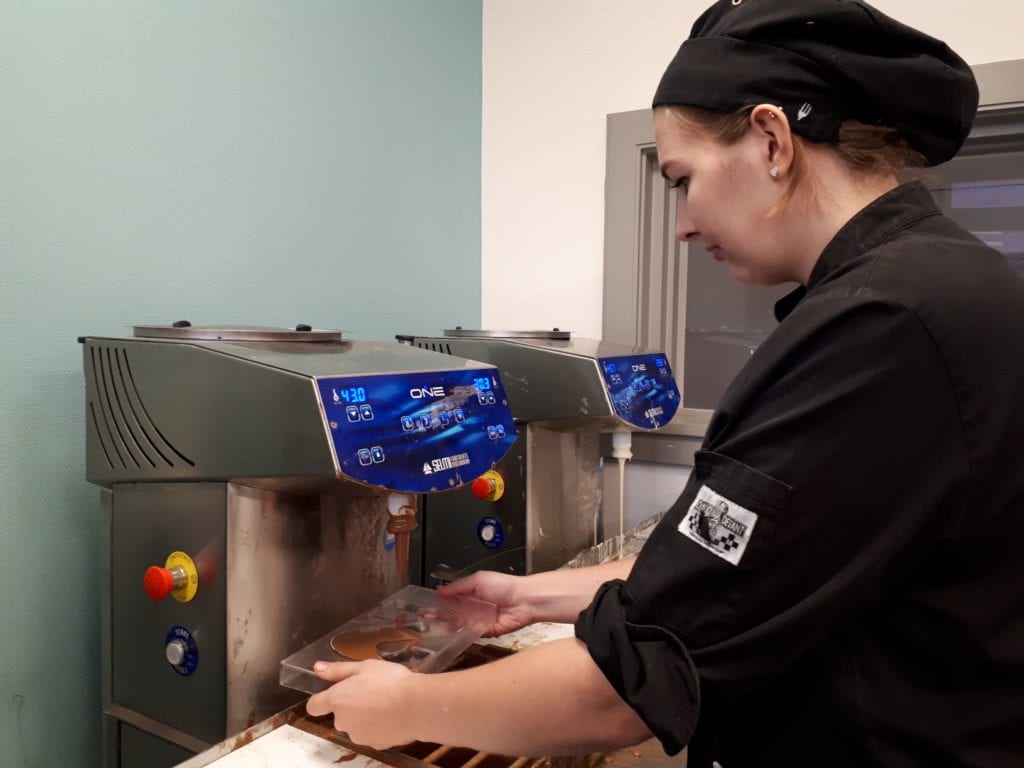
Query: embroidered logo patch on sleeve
{"points": [[719, 525]]}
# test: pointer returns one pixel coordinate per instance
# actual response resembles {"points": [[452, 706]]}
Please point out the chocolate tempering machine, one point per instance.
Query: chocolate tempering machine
{"points": [[259, 486], [577, 402]]}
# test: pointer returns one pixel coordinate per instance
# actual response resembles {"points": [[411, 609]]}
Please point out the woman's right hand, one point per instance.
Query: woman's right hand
{"points": [[507, 592]]}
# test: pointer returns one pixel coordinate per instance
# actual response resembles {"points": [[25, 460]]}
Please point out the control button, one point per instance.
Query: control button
{"points": [[490, 398], [460, 416], [181, 651], [490, 532], [364, 457], [176, 651], [444, 418], [377, 454], [424, 421], [366, 412], [482, 398], [408, 425], [500, 429], [352, 412], [492, 433]]}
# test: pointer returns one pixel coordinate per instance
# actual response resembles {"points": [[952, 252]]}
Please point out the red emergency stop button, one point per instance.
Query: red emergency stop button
{"points": [[178, 578], [481, 488], [489, 486], [158, 582]]}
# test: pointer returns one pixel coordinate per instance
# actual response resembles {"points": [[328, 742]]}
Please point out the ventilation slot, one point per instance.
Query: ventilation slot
{"points": [[127, 434], [434, 346]]}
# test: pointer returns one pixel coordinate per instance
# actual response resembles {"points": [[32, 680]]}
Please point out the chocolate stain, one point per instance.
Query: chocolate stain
{"points": [[246, 737], [363, 645]]}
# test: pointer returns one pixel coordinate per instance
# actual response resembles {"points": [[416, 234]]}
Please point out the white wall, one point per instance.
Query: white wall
{"points": [[552, 71]]}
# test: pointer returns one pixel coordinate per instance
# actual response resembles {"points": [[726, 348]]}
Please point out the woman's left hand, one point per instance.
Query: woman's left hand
{"points": [[366, 700]]}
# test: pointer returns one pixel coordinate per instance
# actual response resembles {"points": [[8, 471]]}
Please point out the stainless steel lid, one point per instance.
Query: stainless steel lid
{"points": [[184, 330], [554, 334]]}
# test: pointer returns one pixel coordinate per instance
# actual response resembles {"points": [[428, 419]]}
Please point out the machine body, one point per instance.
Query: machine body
{"points": [[250, 477], [565, 393]]}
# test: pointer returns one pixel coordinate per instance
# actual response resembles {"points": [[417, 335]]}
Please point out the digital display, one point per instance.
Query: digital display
{"points": [[642, 389], [417, 432], [350, 395]]}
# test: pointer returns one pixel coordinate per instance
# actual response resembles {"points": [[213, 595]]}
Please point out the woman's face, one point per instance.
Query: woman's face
{"points": [[725, 194]]}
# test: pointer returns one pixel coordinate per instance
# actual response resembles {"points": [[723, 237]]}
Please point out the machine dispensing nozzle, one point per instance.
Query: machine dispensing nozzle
{"points": [[401, 522], [622, 445]]}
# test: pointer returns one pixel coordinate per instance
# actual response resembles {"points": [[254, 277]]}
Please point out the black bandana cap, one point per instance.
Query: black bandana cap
{"points": [[825, 62]]}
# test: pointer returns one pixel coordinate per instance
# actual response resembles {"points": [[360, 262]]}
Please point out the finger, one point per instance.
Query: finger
{"points": [[466, 586], [335, 671], [319, 704], [455, 589]]}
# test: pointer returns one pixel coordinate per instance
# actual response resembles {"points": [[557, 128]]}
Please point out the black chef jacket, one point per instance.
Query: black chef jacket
{"points": [[841, 582]]}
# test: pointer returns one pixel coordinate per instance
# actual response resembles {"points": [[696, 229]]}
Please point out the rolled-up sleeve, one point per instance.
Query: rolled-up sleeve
{"points": [[647, 665]]}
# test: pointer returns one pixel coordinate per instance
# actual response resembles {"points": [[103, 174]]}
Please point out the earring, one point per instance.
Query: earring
{"points": [[774, 171]]}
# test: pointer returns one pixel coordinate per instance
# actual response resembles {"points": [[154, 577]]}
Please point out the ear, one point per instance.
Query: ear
{"points": [[769, 123]]}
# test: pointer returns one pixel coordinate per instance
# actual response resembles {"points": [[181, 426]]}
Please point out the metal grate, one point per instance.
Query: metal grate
{"points": [[459, 757]]}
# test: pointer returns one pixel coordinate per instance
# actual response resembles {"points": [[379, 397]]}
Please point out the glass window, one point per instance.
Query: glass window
{"points": [[985, 195]]}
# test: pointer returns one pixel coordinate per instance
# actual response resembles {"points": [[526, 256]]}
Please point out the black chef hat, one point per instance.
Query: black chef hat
{"points": [[824, 62]]}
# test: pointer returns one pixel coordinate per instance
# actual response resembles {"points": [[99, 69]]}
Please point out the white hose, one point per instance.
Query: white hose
{"points": [[622, 444]]}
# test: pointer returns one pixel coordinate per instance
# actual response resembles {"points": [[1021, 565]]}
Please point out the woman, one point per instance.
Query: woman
{"points": [[840, 582]]}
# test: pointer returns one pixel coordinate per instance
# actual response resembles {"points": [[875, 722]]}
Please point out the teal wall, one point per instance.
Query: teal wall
{"points": [[254, 161]]}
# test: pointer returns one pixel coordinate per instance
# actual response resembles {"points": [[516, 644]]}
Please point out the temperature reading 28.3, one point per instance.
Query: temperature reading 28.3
{"points": [[482, 383], [350, 395]]}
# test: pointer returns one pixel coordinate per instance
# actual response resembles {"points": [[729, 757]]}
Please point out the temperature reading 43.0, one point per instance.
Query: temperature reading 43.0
{"points": [[350, 395]]}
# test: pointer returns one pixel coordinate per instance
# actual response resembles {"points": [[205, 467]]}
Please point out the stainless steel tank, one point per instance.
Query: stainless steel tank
{"points": [[250, 480]]}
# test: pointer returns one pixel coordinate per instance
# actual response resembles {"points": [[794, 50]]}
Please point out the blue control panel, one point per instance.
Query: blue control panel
{"points": [[642, 389], [418, 432]]}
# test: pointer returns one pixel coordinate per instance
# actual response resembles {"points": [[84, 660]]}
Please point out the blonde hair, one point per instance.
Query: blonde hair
{"points": [[867, 150]]}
